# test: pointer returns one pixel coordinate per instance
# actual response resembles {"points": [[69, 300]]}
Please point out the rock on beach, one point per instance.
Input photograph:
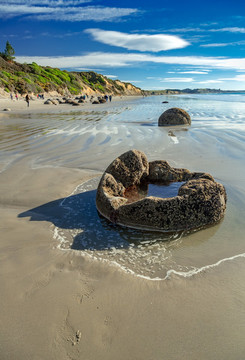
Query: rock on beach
{"points": [[174, 116], [200, 201]]}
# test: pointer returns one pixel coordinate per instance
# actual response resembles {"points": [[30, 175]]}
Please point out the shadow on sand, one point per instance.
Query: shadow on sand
{"points": [[76, 218]]}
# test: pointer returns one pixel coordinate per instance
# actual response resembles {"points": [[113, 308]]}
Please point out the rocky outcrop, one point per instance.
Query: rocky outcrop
{"points": [[200, 201], [174, 116]]}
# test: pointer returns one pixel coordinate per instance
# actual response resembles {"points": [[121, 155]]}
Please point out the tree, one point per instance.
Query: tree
{"points": [[8, 53]]}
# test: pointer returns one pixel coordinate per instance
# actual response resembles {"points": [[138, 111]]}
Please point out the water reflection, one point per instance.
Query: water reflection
{"points": [[161, 190]]}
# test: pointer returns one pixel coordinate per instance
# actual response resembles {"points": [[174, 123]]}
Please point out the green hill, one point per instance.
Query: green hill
{"points": [[35, 79]]}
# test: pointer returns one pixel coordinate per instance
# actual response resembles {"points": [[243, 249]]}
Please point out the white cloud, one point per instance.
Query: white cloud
{"points": [[193, 72], [16, 10], [87, 69], [229, 29], [215, 45], [111, 76], [210, 82], [131, 81], [47, 2], [185, 30], [101, 59], [177, 79], [199, 29], [239, 78], [59, 11], [141, 42], [235, 78], [94, 13], [242, 42]]}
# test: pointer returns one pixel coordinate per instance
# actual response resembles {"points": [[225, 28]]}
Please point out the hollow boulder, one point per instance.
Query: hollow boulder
{"points": [[200, 200]]}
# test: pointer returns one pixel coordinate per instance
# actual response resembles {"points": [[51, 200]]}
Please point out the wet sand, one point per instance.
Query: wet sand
{"points": [[62, 303]]}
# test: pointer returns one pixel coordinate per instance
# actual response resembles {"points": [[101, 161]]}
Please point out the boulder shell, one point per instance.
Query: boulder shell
{"points": [[200, 201]]}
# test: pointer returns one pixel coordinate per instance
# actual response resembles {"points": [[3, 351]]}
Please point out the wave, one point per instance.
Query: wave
{"points": [[139, 253], [197, 271]]}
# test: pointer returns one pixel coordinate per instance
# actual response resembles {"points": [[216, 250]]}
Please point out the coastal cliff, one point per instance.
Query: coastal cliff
{"points": [[35, 79]]}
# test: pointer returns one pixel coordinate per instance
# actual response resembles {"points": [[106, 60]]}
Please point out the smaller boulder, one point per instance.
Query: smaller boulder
{"points": [[53, 101], [174, 116], [102, 101], [7, 109], [69, 101], [48, 102]]}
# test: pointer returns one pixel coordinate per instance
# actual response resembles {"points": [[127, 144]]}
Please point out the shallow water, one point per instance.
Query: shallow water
{"points": [[214, 143]]}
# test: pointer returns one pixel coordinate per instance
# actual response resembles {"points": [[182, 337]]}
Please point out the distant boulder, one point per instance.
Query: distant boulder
{"points": [[165, 102], [48, 102], [102, 101], [51, 101], [69, 101], [55, 102], [174, 116], [7, 109]]}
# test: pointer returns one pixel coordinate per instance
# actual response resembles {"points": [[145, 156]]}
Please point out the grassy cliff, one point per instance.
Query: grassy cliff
{"points": [[35, 79]]}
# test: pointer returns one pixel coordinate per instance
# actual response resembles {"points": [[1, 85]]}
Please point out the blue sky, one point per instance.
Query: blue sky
{"points": [[152, 44]]}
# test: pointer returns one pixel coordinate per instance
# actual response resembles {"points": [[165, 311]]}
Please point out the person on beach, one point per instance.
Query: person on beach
{"points": [[110, 97], [28, 100], [11, 96], [16, 96]]}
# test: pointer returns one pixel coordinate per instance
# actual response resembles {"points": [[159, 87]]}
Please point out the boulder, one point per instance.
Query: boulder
{"points": [[129, 168], [69, 101], [48, 102], [55, 102], [174, 116], [7, 109], [102, 101], [200, 200]]}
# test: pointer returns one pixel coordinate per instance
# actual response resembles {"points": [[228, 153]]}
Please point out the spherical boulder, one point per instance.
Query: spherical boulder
{"points": [[200, 200], [174, 116]]}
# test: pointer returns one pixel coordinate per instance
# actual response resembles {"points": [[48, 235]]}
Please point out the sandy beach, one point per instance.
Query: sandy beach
{"points": [[61, 300], [37, 105]]}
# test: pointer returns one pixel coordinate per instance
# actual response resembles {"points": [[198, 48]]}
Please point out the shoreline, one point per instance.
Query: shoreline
{"points": [[37, 105]]}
